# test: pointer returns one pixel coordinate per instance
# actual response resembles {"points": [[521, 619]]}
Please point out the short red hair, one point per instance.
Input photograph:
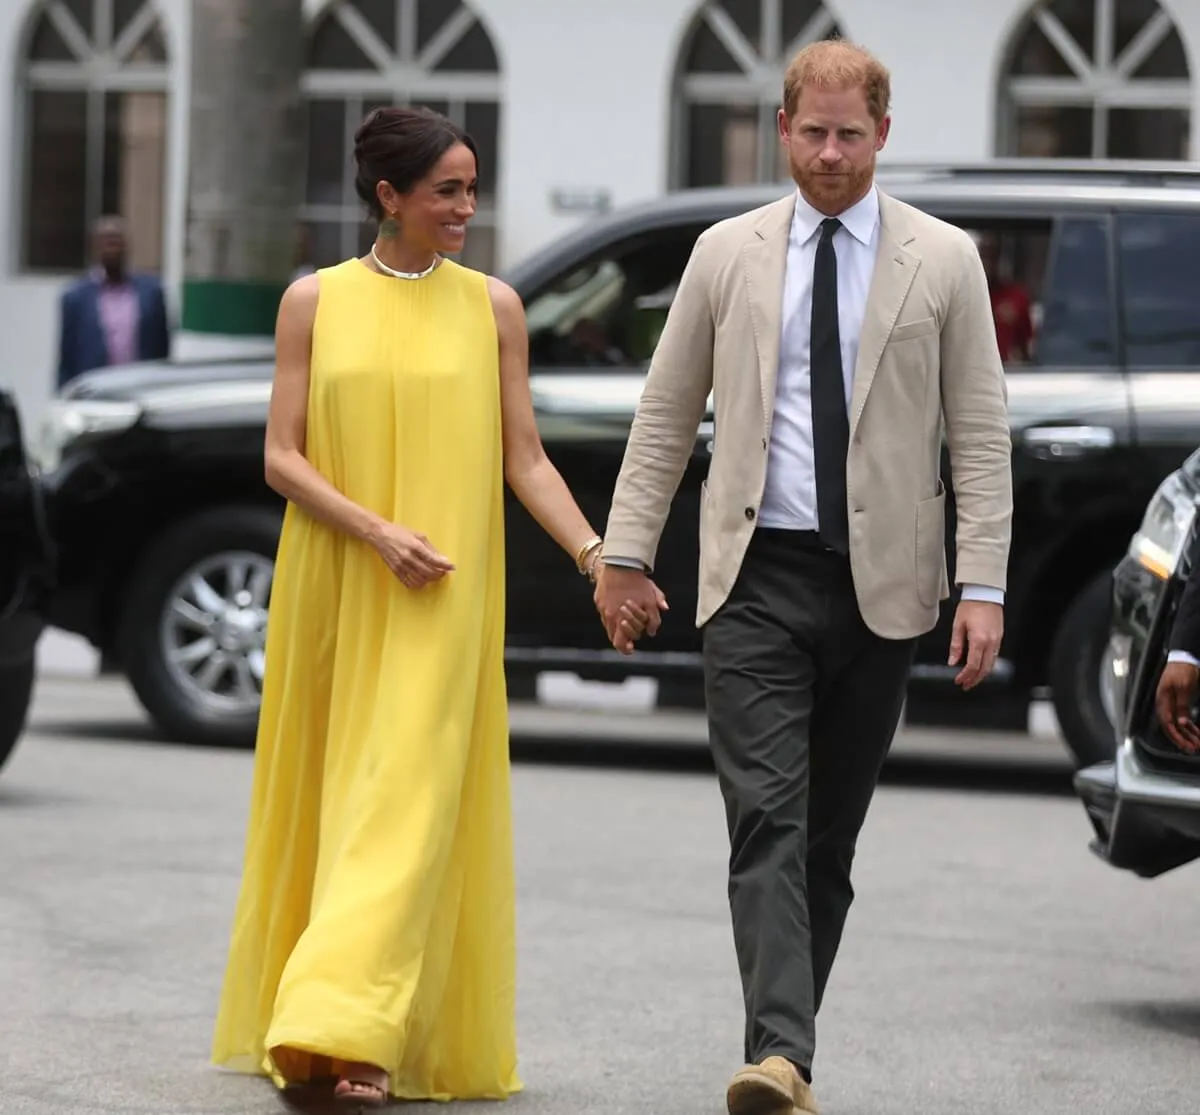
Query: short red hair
{"points": [[837, 64]]}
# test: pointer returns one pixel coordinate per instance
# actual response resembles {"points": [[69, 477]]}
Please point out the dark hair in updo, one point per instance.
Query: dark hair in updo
{"points": [[401, 146]]}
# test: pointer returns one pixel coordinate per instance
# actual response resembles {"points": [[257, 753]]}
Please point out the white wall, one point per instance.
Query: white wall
{"points": [[587, 106], [588, 90]]}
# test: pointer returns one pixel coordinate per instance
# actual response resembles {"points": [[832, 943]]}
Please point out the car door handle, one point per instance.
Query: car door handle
{"points": [[1058, 442]]}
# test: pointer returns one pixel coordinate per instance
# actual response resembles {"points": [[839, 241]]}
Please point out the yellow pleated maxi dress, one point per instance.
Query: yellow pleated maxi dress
{"points": [[375, 921]]}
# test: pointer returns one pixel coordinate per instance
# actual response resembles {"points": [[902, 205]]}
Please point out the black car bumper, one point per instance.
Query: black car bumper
{"points": [[1146, 821]]}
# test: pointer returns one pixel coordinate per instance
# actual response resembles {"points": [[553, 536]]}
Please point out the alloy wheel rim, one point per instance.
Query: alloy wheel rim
{"points": [[213, 632]]}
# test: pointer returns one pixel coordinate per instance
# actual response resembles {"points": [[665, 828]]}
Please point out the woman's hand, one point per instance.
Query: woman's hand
{"points": [[410, 556]]}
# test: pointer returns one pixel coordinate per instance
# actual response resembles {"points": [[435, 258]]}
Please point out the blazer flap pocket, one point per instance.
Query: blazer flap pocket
{"points": [[907, 330], [930, 547]]}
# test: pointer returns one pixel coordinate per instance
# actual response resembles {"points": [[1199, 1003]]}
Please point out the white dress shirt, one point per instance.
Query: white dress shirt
{"points": [[790, 496]]}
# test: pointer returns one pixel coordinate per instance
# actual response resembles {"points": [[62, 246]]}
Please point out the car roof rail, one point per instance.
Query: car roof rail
{"points": [[1140, 172]]}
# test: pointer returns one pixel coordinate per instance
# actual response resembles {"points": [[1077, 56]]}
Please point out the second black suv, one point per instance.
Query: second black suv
{"points": [[165, 523]]}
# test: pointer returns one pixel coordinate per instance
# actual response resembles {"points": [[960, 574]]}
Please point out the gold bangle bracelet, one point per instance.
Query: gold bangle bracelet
{"points": [[586, 550]]}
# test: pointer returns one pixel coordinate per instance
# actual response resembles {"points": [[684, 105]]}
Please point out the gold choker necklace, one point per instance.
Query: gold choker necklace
{"points": [[383, 267]]}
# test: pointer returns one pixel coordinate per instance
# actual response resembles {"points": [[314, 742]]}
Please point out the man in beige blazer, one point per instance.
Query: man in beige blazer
{"points": [[840, 333]]}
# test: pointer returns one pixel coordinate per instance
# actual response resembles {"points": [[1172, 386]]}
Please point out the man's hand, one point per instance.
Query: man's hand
{"points": [[629, 603], [1177, 690], [978, 628]]}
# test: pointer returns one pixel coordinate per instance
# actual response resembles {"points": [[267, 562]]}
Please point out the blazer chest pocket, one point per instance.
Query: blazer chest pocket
{"points": [[909, 330]]}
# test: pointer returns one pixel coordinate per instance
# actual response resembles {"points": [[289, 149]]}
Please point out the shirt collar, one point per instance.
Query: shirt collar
{"points": [[861, 220]]}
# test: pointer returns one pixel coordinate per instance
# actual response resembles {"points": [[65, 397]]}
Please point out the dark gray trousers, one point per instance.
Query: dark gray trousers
{"points": [[803, 702]]}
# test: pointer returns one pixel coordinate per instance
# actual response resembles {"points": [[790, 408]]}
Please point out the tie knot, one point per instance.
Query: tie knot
{"points": [[829, 226]]}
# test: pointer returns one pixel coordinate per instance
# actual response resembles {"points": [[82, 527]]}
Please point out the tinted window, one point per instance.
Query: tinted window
{"points": [[1014, 255], [1051, 289], [1160, 287], [1078, 313], [610, 310]]}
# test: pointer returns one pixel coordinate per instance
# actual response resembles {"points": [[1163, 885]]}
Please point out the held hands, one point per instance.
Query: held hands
{"points": [[629, 603], [1177, 689], [978, 628], [410, 556]]}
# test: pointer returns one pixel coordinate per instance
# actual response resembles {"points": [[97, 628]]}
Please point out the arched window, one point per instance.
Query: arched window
{"points": [[367, 53], [1096, 79], [731, 70], [95, 79]]}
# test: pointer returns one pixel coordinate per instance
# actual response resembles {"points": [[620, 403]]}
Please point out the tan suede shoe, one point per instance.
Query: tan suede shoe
{"points": [[773, 1087]]}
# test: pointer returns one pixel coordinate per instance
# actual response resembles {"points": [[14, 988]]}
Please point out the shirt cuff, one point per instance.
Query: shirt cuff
{"points": [[1183, 656], [983, 593], [625, 562]]}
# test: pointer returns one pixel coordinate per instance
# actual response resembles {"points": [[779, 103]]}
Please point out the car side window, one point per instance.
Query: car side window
{"points": [[1160, 289], [1079, 310], [1051, 292], [609, 310], [1013, 254]]}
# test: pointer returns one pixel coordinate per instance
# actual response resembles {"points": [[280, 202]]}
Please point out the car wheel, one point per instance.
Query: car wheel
{"points": [[193, 632], [16, 689], [1078, 661]]}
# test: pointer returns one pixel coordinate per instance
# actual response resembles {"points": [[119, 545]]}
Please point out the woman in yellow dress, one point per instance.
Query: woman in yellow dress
{"points": [[374, 941]]}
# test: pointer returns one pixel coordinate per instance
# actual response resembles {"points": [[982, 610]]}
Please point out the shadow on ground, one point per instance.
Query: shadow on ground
{"points": [[929, 773], [21, 797], [1179, 1018], [982, 775]]}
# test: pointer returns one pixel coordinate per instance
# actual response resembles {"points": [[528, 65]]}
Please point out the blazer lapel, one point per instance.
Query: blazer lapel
{"points": [[895, 268], [764, 259]]}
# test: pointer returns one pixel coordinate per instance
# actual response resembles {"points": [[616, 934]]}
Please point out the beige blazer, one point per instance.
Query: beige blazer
{"points": [[927, 362]]}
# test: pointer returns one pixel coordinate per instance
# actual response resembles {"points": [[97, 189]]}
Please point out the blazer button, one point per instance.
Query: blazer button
{"points": [[750, 513]]}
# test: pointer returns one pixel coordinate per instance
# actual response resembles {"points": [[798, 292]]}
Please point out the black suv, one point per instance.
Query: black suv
{"points": [[24, 575], [167, 530]]}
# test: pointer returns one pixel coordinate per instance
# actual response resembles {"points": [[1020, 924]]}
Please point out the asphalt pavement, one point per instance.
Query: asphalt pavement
{"points": [[991, 964]]}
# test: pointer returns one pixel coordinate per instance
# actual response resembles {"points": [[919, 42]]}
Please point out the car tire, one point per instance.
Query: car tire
{"points": [[183, 711], [1076, 660], [16, 691], [681, 693]]}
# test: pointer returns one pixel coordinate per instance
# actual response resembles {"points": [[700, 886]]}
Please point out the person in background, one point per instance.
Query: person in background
{"points": [[111, 316], [1011, 306], [1180, 681]]}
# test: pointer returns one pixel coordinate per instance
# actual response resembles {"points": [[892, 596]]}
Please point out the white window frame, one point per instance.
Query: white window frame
{"points": [[101, 67], [404, 76], [758, 86], [1101, 85]]}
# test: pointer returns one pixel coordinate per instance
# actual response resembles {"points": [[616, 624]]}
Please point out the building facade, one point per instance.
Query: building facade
{"points": [[576, 107]]}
